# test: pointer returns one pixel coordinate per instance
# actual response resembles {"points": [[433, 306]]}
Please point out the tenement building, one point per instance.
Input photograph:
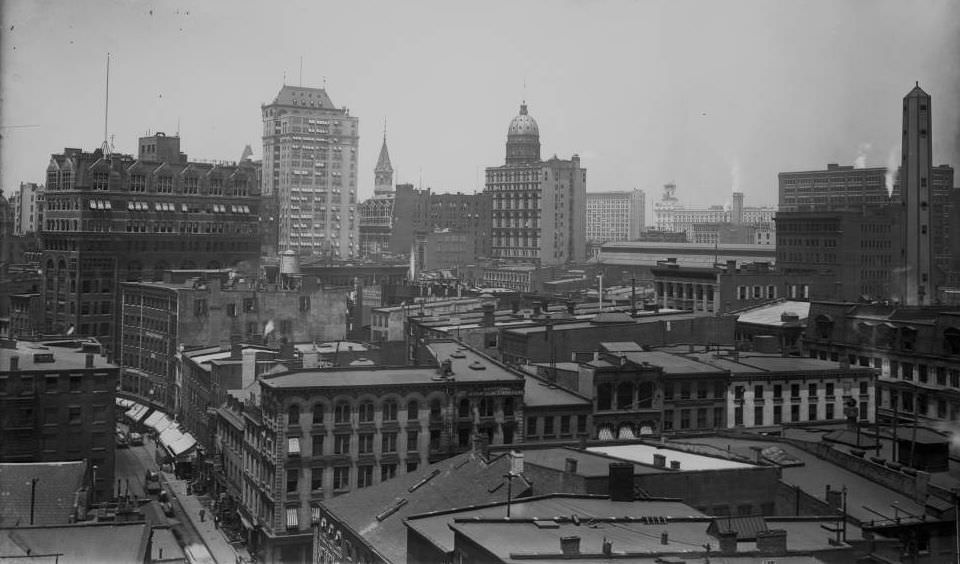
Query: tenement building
{"points": [[914, 348], [111, 218], [316, 434], [615, 216], [57, 401], [310, 165], [538, 207]]}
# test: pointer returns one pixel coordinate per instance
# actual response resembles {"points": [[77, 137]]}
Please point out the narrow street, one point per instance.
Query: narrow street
{"points": [[131, 466]]}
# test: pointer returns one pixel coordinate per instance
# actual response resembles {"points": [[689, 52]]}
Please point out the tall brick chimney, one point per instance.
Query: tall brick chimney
{"points": [[773, 541]]}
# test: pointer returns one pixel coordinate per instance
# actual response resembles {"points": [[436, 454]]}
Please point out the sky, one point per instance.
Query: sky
{"points": [[716, 96]]}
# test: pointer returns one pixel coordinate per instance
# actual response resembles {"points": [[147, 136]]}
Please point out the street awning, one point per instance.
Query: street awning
{"points": [[125, 403], [158, 421], [606, 434], [137, 412]]}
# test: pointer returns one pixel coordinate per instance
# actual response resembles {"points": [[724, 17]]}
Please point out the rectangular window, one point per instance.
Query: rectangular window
{"points": [[667, 419], [830, 390], [74, 416], [531, 426], [564, 424], [758, 415], [388, 471], [668, 391], [794, 390], [702, 417], [365, 443], [75, 381], [317, 445], [685, 390], [413, 439], [757, 392], [51, 383], [341, 477], [412, 466], [794, 412], [341, 444], [548, 426], [388, 443], [812, 390], [316, 478], [812, 412], [829, 411], [684, 418], [292, 477], [777, 414], [777, 391], [364, 476], [581, 423]]}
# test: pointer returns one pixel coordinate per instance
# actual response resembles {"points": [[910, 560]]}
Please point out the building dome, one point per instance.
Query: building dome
{"points": [[523, 139], [523, 124]]}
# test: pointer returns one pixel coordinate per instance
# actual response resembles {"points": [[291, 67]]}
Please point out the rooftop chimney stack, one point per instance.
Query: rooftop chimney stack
{"points": [[570, 466], [728, 542], [772, 542], [570, 546], [488, 315]]}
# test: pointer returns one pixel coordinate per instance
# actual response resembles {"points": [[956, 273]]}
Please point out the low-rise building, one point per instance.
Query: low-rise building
{"points": [[57, 401], [390, 323], [311, 435]]}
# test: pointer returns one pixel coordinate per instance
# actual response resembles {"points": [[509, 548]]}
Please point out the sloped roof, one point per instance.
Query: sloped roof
{"points": [[57, 485], [383, 163], [464, 480], [746, 527], [288, 94]]}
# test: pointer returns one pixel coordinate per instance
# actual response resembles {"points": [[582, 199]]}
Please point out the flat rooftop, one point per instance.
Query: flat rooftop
{"points": [[643, 454], [541, 393], [64, 357], [772, 315]]}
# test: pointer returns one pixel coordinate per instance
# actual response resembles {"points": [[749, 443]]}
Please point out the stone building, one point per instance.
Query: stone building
{"points": [[310, 165], [538, 207], [615, 216]]}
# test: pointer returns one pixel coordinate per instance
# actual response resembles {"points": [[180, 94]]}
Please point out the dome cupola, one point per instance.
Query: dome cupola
{"points": [[523, 138]]}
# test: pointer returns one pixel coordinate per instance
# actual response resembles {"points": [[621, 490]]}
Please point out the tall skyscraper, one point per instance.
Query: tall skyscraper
{"points": [[915, 173], [538, 207], [310, 164], [615, 216]]}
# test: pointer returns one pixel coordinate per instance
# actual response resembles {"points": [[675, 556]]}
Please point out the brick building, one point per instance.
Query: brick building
{"points": [[198, 309], [57, 401], [111, 218]]}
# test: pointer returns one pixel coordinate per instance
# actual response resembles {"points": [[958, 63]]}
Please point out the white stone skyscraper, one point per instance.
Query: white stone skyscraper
{"points": [[310, 168]]}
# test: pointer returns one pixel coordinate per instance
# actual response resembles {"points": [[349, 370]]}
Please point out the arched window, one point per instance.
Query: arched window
{"points": [[413, 410], [823, 327], [390, 410], [624, 395], [486, 407], [365, 412], [341, 413], [293, 415], [317, 414], [435, 410], [464, 410]]}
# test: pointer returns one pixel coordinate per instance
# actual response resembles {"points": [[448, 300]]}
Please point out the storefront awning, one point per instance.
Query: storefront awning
{"points": [[137, 412], [606, 434], [176, 441], [158, 421]]}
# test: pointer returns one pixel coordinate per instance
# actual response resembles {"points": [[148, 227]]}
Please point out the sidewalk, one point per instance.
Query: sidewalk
{"points": [[221, 551]]}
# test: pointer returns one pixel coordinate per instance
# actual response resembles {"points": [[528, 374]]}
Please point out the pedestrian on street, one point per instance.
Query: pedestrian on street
{"points": [[202, 514]]}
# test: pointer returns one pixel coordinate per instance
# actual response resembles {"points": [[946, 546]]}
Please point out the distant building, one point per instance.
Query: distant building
{"points": [[615, 216], [625, 259], [774, 327], [859, 249], [538, 207], [672, 215], [390, 323], [835, 188], [198, 309], [57, 404], [310, 164], [28, 207], [111, 218], [311, 435]]}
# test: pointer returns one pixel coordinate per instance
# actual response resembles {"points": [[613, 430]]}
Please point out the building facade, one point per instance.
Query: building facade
{"points": [[672, 215], [836, 188], [310, 163], [316, 435], [538, 207], [915, 350], [111, 218], [27, 208], [57, 401], [160, 317], [615, 216], [916, 171]]}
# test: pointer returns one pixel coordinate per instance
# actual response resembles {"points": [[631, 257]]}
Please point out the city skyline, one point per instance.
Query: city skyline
{"points": [[712, 97]]}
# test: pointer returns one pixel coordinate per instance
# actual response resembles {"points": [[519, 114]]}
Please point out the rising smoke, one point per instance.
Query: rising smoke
{"points": [[861, 160], [893, 162]]}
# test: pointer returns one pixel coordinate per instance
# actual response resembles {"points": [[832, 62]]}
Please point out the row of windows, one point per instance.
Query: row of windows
{"points": [[390, 409]]}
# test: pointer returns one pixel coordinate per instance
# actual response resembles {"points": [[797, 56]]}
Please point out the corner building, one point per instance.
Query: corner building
{"points": [[538, 207], [310, 168]]}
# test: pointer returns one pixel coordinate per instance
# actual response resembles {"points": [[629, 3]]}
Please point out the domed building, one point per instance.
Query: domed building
{"points": [[523, 139], [538, 207]]}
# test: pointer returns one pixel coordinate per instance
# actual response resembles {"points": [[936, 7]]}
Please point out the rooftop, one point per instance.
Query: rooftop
{"points": [[772, 314], [378, 513], [105, 543], [57, 486], [45, 355], [589, 464], [673, 363], [643, 454], [538, 392], [650, 317]]}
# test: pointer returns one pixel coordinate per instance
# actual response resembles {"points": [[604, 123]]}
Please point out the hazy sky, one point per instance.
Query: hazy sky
{"points": [[709, 94]]}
